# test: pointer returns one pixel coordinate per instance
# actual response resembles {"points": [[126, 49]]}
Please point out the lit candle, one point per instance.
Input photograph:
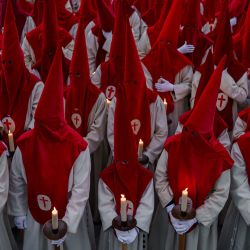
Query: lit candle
{"points": [[123, 208], [108, 101], [140, 148], [184, 200], [165, 103], [54, 219], [11, 142]]}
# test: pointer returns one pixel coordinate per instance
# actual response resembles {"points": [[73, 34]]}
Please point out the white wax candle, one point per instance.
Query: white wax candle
{"points": [[123, 210], [165, 103], [54, 219], [184, 200], [140, 148], [11, 142]]}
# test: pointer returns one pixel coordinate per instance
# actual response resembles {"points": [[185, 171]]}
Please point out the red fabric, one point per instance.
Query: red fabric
{"points": [[244, 143], [142, 5], [211, 8], [125, 176], [245, 116], [16, 83], [236, 7], [82, 93], [2, 11], [2, 148], [201, 158], [223, 44], [87, 11], [236, 71], [169, 61], [52, 146], [154, 31], [65, 18]]}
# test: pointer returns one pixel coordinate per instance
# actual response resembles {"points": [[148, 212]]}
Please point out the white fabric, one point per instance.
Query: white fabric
{"points": [[107, 35], [186, 48], [21, 222], [60, 241], [126, 237]]}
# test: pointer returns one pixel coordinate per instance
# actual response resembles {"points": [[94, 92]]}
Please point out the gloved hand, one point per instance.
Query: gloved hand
{"points": [[127, 237], [169, 208], [187, 224], [21, 222], [58, 242], [177, 224], [107, 35], [186, 48], [233, 21], [143, 160], [164, 86]]}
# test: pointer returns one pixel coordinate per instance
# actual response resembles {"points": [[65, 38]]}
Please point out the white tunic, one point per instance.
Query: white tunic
{"points": [[6, 237], [77, 215], [204, 236], [143, 215]]}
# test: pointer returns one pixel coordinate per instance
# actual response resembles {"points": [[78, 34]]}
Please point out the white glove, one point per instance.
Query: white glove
{"points": [[233, 21], [164, 86], [21, 222], [177, 224], [127, 237], [187, 224], [169, 208], [58, 242], [107, 35], [186, 48]]}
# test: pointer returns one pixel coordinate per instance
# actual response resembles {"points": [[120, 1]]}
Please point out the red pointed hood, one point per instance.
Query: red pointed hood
{"points": [[154, 31], [3, 4], [223, 44], [203, 159], [87, 11], [12, 56], [202, 118], [169, 61], [105, 15], [50, 111], [211, 9], [54, 146], [16, 84], [82, 93], [246, 40], [192, 22]]}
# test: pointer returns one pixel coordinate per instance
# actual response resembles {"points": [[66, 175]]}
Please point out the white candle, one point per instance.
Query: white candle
{"points": [[11, 142], [108, 101], [184, 200], [123, 210], [140, 148], [54, 219], [165, 103]]}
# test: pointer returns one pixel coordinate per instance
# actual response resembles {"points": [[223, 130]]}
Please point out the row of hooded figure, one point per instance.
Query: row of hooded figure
{"points": [[99, 102]]}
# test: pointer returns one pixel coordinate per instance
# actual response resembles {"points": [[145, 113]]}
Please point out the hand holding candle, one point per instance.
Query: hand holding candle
{"points": [[54, 219], [140, 148], [11, 142], [123, 208], [184, 200]]}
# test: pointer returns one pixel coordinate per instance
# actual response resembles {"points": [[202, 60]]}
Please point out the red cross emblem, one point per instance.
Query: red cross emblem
{"points": [[130, 208], [44, 202], [76, 119], [222, 101], [136, 125], [110, 92], [8, 124]]}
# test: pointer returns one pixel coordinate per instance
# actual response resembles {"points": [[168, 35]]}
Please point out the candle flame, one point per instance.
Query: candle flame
{"points": [[54, 210], [186, 190], [108, 101], [165, 101], [122, 196], [9, 132], [140, 141]]}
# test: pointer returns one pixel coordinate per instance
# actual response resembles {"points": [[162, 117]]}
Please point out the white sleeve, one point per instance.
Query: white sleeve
{"points": [[80, 191], [4, 180]]}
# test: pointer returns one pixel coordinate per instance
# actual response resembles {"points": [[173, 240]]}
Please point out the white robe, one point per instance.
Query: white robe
{"points": [[180, 95], [77, 215], [6, 238], [204, 235], [159, 130], [30, 58], [235, 234], [92, 43], [144, 212], [238, 91]]}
